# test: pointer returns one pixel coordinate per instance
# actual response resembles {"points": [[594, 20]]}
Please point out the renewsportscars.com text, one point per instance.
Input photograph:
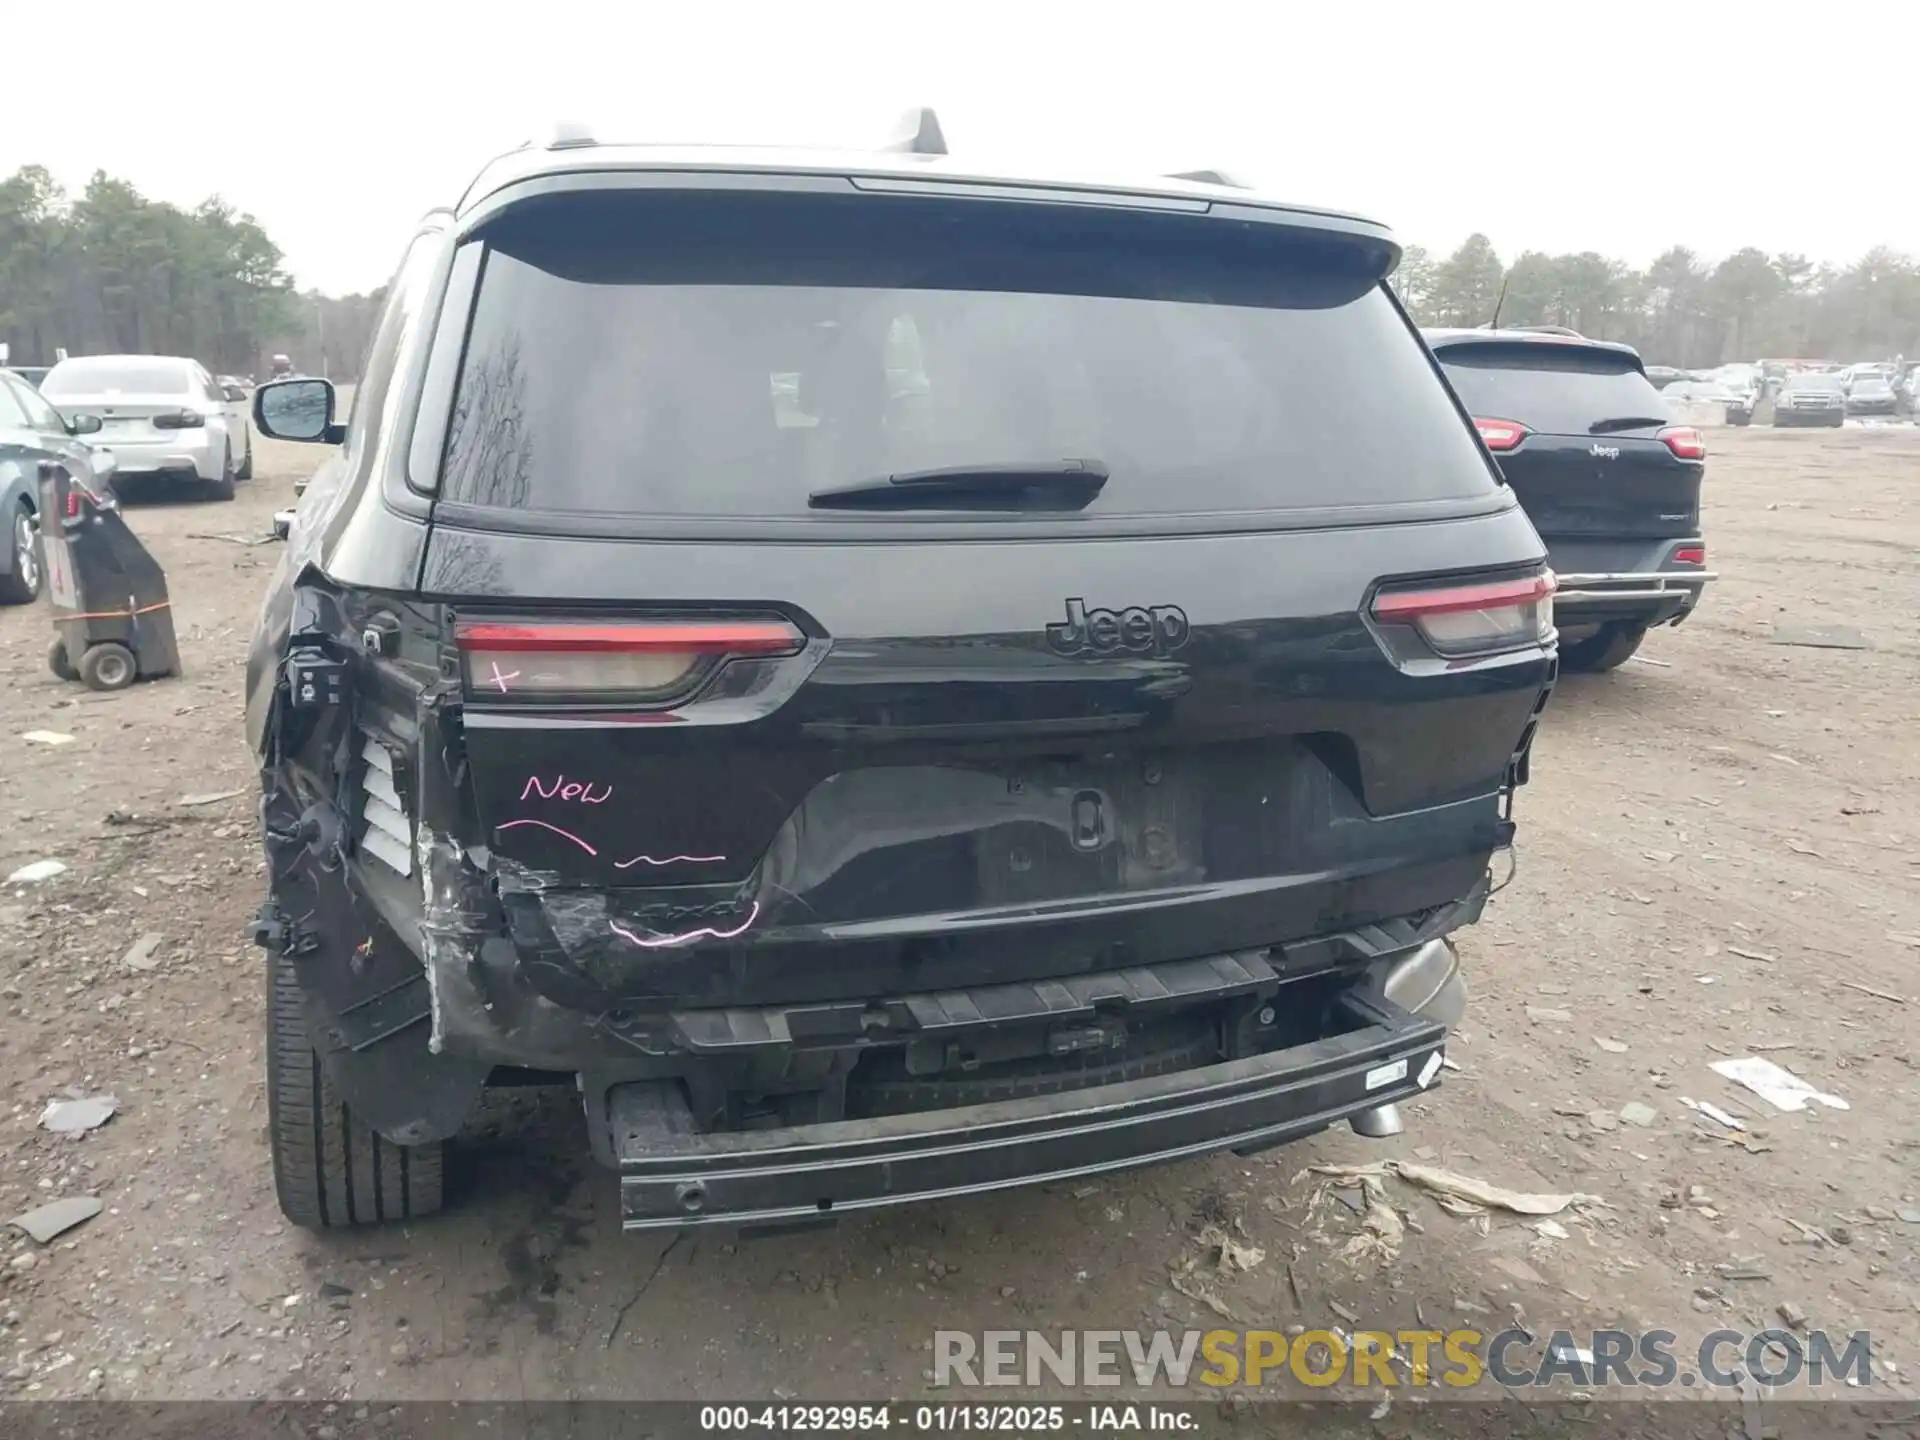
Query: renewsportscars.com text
{"points": [[1652, 1359]]}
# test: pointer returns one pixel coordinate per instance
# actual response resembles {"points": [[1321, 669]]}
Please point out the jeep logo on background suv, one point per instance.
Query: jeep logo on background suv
{"points": [[1140, 630]]}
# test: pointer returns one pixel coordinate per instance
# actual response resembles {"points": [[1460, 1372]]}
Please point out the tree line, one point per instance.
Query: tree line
{"points": [[109, 270], [1681, 310]]}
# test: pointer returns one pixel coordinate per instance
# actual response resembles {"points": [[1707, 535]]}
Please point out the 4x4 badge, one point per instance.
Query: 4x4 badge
{"points": [[1141, 630]]}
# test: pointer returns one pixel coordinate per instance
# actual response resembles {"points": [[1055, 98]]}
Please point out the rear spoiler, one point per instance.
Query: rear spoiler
{"points": [[1522, 341]]}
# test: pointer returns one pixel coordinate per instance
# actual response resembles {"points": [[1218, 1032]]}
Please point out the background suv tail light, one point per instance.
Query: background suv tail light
{"points": [[180, 420], [1500, 435], [1685, 442], [1690, 555], [1483, 617], [645, 662]]}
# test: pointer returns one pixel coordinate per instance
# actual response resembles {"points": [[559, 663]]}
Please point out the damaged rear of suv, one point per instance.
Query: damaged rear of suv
{"points": [[892, 681]]}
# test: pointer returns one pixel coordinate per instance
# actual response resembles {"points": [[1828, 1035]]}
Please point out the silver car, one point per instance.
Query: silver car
{"points": [[161, 416]]}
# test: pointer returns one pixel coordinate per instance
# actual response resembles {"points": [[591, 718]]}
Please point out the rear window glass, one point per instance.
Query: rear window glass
{"points": [[731, 355], [1552, 389], [106, 375]]}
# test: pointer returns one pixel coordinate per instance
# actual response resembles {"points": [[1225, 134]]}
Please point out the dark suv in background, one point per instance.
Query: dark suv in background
{"points": [[1610, 482], [892, 680]]}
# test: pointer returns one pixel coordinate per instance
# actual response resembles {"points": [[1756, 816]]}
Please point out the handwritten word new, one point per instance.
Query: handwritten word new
{"points": [[564, 789]]}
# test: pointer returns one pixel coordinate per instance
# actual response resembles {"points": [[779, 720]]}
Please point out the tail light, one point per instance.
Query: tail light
{"points": [[180, 420], [600, 662], [1484, 617], [1690, 555], [1685, 442], [1500, 436]]}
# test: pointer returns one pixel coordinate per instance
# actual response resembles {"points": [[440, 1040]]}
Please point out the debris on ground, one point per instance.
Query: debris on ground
{"points": [[1196, 1285], [1886, 995], [209, 797], [1759, 955], [1820, 637], [39, 870], [1457, 1194], [1548, 1015], [46, 737], [48, 1222], [1714, 1112], [1612, 1047], [1636, 1112], [142, 954], [1779, 1087], [76, 1117], [1227, 1254], [1552, 1230]]}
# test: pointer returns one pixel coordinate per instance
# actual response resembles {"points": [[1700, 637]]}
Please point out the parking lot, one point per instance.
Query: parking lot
{"points": [[1719, 857]]}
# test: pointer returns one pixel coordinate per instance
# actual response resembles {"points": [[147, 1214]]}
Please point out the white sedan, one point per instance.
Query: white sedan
{"points": [[161, 416]]}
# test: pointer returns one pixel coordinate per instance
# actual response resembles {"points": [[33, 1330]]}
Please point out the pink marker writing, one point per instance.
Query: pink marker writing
{"points": [[564, 789], [688, 937]]}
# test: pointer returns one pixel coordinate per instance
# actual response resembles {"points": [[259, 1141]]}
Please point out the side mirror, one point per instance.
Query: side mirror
{"points": [[299, 410], [83, 425]]}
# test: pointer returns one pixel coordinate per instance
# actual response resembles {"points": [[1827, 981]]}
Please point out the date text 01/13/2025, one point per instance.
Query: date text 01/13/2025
{"points": [[957, 1418]]}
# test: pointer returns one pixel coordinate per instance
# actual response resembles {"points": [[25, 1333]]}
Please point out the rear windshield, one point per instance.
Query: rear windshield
{"points": [[108, 374], [731, 355], [1552, 389]]}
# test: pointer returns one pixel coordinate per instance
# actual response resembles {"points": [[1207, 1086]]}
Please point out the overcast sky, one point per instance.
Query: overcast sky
{"points": [[1558, 126]]}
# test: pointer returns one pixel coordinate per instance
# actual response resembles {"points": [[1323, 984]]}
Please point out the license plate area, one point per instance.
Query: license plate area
{"points": [[1133, 824]]}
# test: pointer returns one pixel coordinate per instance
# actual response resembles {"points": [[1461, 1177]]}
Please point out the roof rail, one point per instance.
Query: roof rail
{"points": [[1211, 177], [918, 133], [568, 135]]}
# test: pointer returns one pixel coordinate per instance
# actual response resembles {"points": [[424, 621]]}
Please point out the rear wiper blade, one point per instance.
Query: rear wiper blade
{"points": [[1626, 422], [1021, 485]]}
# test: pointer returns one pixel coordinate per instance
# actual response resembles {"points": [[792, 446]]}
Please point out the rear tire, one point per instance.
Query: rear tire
{"points": [[21, 584], [222, 489], [331, 1171], [108, 666], [58, 662], [1609, 649], [245, 472]]}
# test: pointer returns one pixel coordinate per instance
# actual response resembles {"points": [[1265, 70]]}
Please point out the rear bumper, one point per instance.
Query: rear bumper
{"points": [[1826, 415], [672, 1177], [197, 457], [1649, 597]]}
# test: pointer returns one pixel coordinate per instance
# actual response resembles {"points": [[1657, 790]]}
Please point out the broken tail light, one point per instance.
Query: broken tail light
{"points": [[599, 662], [1500, 436], [1486, 617], [1690, 555], [1685, 442]]}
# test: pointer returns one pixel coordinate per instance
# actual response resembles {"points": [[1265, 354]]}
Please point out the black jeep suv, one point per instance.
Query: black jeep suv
{"points": [[893, 680], [1610, 481]]}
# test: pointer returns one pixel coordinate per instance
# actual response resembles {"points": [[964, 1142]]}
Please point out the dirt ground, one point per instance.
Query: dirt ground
{"points": [[1719, 856]]}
